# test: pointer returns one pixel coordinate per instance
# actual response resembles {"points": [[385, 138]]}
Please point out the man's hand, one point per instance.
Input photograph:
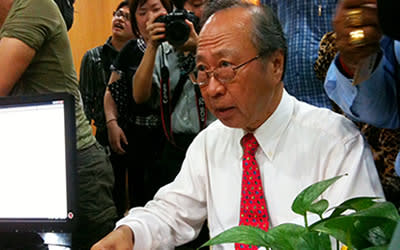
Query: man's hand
{"points": [[120, 239], [357, 30], [115, 136]]}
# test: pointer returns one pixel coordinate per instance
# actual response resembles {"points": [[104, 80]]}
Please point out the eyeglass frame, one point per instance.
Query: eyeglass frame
{"points": [[211, 73], [126, 16]]}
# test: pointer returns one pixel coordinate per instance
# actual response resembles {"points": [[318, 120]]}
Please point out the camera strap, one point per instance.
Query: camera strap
{"points": [[201, 108], [165, 104], [168, 104]]}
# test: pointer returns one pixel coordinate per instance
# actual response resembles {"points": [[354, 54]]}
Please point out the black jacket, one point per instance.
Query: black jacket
{"points": [[94, 75]]}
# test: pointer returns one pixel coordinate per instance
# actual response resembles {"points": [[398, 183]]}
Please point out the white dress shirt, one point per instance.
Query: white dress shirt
{"points": [[299, 145]]}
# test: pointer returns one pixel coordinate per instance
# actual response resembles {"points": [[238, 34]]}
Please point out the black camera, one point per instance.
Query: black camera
{"points": [[176, 29]]}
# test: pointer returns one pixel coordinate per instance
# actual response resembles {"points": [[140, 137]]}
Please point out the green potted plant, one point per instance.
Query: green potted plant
{"points": [[370, 225]]}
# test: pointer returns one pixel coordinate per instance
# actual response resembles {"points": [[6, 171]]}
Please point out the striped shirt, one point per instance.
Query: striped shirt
{"points": [[304, 23]]}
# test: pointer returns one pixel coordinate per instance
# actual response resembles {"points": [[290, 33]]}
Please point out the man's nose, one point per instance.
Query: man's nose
{"points": [[214, 87]]}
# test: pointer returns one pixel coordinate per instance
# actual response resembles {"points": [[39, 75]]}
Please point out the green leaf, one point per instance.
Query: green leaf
{"points": [[304, 200], [380, 209], [319, 207], [285, 236], [240, 234], [377, 235], [314, 241], [357, 204], [377, 248], [275, 238], [373, 226], [343, 229]]}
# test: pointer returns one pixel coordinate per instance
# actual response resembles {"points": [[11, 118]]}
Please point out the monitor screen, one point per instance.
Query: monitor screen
{"points": [[37, 163]]}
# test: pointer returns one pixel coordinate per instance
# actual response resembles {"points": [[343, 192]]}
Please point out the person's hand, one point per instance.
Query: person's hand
{"points": [[115, 136], [155, 30], [120, 239], [191, 43], [357, 30]]}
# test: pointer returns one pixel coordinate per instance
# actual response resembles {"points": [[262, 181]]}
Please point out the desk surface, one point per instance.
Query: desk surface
{"points": [[23, 241]]}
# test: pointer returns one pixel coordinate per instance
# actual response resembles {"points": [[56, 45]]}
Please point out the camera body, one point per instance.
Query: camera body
{"points": [[177, 31]]}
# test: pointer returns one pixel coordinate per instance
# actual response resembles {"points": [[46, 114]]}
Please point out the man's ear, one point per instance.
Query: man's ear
{"points": [[277, 63]]}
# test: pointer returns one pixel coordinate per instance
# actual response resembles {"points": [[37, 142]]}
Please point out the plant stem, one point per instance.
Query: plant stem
{"points": [[305, 220]]}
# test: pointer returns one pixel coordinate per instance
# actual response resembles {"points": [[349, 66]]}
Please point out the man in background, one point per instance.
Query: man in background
{"points": [[93, 79], [304, 24], [95, 69], [36, 58], [67, 10]]}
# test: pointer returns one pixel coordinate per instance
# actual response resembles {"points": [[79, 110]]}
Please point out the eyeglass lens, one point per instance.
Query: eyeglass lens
{"points": [[221, 74], [121, 13]]}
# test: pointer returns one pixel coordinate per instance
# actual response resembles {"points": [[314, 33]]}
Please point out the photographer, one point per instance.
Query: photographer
{"points": [[165, 69]]}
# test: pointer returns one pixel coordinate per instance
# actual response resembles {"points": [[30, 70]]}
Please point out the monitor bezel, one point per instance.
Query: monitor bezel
{"points": [[50, 225]]}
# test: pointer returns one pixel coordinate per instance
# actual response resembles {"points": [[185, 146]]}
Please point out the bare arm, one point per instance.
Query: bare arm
{"points": [[143, 79], [115, 133], [14, 60], [110, 107]]}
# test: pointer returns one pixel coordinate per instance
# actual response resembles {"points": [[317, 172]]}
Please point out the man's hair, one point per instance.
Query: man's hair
{"points": [[135, 4], [266, 32], [122, 4]]}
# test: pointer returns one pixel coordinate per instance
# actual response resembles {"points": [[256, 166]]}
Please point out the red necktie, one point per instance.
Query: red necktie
{"points": [[253, 210]]}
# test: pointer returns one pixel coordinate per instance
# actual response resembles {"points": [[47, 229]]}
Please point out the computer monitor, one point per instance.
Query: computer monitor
{"points": [[37, 163]]}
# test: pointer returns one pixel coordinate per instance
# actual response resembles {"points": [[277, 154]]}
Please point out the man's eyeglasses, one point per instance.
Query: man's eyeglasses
{"points": [[120, 13], [224, 74]]}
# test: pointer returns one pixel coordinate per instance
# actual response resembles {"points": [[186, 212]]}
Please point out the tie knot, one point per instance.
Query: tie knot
{"points": [[249, 143]]}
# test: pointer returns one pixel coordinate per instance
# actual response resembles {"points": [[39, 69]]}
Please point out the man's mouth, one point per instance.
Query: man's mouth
{"points": [[119, 26], [223, 111]]}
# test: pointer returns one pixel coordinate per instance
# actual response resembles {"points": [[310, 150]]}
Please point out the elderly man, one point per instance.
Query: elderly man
{"points": [[287, 144], [36, 58]]}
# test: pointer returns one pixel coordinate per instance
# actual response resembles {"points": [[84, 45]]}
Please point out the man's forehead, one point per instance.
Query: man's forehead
{"points": [[224, 38], [226, 21], [124, 8], [236, 16], [196, 2]]}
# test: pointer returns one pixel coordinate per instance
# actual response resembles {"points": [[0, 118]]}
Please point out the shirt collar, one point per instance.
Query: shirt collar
{"points": [[270, 132], [167, 48], [108, 46], [141, 44]]}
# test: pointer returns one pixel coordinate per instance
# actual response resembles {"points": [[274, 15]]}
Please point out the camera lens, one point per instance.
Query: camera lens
{"points": [[177, 32]]}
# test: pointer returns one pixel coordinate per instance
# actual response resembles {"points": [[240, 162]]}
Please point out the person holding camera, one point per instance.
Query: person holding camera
{"points": [[162, 81], [132, 128]]}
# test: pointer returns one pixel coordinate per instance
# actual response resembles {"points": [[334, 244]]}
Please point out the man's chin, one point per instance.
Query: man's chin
{"points": [[230, 123]]}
